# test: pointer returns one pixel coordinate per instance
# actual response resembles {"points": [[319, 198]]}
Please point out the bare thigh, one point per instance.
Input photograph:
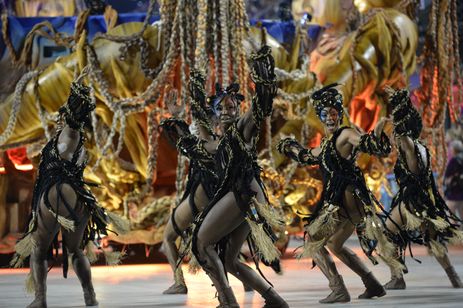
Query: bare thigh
{"points": [[353, 207], [394, 221], [224, 217]]}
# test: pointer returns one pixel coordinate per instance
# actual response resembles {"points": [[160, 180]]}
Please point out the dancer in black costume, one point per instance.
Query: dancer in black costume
{"points": [[62, 201], [418, 206], [202, 178], [240, 204], [346, 202]]}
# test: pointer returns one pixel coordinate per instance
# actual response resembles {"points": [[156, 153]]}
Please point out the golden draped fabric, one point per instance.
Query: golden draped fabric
{"points": [[382, 51]]}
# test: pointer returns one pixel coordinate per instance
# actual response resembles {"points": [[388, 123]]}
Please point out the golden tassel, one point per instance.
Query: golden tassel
{"points": [[412, 222], [437, 249], [90, 252], [268, 213], [439, 223], [178, 275], [375, 231], [457, 237], [23, 250], [193, 265], [121, 225], [324, 223], [29, 283], [395, 266], [265, 246], [66, 223], [113, 257], [311, 248]]}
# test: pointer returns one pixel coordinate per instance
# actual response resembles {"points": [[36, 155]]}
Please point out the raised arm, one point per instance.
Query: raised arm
{"points": [[201, 111], [174, 127], [375, 143], [263, 75], [294, 150], [75, 112]]}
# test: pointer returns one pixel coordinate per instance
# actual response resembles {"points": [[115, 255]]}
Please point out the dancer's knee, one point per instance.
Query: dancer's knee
{"points": [[334, 247], [169, 234]]}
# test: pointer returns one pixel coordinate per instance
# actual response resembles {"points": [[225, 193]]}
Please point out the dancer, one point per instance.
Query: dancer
{"points": [[62, 201], [418, 205], [346, 202], [240, 204], [202, 179]]}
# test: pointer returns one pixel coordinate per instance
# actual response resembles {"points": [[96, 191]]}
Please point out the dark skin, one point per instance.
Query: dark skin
{"points": [[407, 146], [183, 215], [47, 226], [226, 218], [346, 142]]}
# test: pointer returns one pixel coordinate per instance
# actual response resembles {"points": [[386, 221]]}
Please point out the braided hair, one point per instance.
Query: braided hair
{"points": [[76, 112], [231, 91], [328, 96]]}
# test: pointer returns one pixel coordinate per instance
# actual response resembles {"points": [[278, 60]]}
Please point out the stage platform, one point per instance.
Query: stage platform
{"points": [[142, 286]]}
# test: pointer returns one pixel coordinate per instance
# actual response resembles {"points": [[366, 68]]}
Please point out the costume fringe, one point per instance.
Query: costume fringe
{"points": [[121, 225], [324, 224], [395, 266], [311, 248], [67, 224], [457, 237], [437, 249], [178, 276], [267, 212], [374, 231], [90, 252], [193, 265], [265, 247], [23, 250], [439, 223], [29, 284], [113, 257], [412, 222], [70, 262]]}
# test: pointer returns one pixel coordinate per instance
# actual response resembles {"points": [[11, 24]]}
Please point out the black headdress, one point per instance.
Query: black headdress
{"points": [[328, 96], [76, 112], [406, 119], [231, 91]]}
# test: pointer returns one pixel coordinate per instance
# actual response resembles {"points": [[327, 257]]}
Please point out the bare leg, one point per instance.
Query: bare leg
{"points": [[221, 220], [183, 219], [246, 274], [80, 261], [444, 261], [394, 223], [47, 228]]}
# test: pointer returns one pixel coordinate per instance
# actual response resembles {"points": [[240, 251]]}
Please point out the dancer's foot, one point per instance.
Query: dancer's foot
{"points": [[454, 278], [273, 299], [373, 287], [176, 289], [90, 297], [396, 283], [227, 299], [339, 292], [38, 302]]}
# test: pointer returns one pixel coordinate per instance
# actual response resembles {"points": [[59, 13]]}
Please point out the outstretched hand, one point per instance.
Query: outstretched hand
{"points": [[170, 99], [83, 73]]}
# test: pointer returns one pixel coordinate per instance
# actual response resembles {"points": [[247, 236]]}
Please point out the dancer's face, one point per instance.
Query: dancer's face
{"points": [[228, 111], [329, 116]]}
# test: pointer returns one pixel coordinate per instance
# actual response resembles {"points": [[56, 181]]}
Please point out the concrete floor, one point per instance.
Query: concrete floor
{"points": [[142, 285]]}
